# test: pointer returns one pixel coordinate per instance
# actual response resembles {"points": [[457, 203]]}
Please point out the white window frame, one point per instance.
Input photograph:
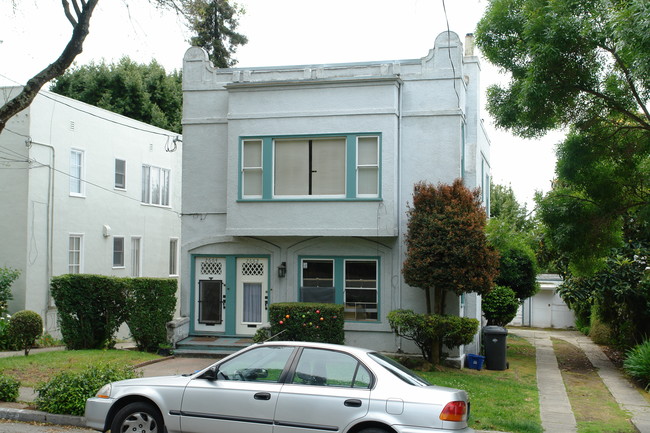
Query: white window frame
{"points": [[250, 172], [173, 257], [117, 264], [164, 184], [79, 252], [136, 256], [121, 187], [368, 166], [77, 173], [376, 288]]}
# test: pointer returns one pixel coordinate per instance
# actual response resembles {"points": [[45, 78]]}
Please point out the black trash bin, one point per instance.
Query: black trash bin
{"points": [[494, 342]]}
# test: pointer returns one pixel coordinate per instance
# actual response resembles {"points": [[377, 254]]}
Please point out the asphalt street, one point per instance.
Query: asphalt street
{"points": [[22, 427]]}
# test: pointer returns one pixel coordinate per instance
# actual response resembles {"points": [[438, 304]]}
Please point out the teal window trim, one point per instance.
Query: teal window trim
{"points": [[339, 279], [268, 168]]}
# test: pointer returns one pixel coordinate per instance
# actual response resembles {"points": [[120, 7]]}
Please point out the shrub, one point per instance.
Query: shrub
{"points": [[424, 330], [46, 340], [91, 309], [151, 304], [7, 277], [24, 327], [66, 393], [304, 321], [600, 333], [637, 363], [6, 342], [9, 388], [500, 306], [262, 334]]}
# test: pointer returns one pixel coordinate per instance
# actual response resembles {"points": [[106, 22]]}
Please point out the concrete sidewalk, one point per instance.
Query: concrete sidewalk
{"points": [[554, 406]]}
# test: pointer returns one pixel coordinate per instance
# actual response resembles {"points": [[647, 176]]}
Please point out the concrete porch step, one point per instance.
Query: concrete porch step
{"points": [[211, 346]]}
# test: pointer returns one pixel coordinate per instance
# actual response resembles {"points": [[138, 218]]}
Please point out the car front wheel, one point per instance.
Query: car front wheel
{"points": [[138, 417]]}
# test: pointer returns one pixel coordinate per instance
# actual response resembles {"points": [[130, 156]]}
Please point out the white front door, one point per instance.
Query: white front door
{"points": [[210, 294], [252, 294]]}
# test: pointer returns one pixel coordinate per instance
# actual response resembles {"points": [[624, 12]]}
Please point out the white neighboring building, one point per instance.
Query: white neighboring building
{"points": [[296, 181], [85, 190], [546, 309]]}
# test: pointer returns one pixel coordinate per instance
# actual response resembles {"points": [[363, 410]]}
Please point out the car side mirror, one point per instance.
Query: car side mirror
{"points": [[210, 374]]}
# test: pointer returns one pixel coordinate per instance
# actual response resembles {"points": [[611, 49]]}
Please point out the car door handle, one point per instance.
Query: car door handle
{"points": [[262, 396], [353, 402]]}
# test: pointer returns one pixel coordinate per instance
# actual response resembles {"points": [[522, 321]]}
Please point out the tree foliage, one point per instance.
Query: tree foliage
{"points": [[500, 306], [505, 207], [583, 66], [214, 23], [447, 250], [142, 92]]}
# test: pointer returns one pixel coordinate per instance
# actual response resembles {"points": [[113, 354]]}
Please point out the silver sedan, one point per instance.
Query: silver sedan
{"points": [[283, 387]]}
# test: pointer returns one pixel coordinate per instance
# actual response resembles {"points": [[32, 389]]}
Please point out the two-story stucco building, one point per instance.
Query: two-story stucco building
{"points": [[297, 179], [85, 190]]}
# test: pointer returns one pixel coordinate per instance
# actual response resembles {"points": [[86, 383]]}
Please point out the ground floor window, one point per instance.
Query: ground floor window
{"points": [[349, 281]]}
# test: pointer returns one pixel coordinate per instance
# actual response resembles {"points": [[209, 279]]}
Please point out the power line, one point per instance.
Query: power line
{"points": [[451, 62]]}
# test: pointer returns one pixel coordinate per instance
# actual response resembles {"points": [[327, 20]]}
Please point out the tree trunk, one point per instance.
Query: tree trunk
{"points": [[438, 308], [71, 51]]}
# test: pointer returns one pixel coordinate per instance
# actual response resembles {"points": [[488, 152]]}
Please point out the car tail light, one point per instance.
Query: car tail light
{"points": [[454, 411]]}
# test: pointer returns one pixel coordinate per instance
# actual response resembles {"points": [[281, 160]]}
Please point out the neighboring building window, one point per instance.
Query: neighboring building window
{"points": [[361, 289], [76, 172], [345, 166], [118, 252], [367, 166], [173, 257], [136, 257], [120, 174], [74, 254], [155, 185], [352, 282], [252, 168]]}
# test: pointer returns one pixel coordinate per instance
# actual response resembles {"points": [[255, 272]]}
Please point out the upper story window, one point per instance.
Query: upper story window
{"points": [[76, 172], [155, 185], [345, 166], [120, 174]]}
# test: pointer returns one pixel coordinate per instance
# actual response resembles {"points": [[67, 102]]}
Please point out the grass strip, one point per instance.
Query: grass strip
{"points": [[595, 409]]}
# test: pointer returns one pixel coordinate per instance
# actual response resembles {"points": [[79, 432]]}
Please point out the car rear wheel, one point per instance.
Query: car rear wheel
{"points": [[138, 417], [373, 430]]}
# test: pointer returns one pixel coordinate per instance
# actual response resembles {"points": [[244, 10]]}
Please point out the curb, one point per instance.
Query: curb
{"points": [[27, 415]]}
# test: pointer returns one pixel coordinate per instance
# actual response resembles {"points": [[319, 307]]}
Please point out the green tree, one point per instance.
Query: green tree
{"points": [[446, 246], [214, 23], [584, 66], [505, 207], [142, 92]]}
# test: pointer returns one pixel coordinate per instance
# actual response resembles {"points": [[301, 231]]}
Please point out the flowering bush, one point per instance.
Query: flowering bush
{"points": [[303, 321]]}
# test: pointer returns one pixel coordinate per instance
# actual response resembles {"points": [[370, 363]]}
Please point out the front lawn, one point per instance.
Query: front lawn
{"points": [[500, 400], [40, 367]]}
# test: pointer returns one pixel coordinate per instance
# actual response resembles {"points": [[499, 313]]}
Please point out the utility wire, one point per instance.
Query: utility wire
{"points": [[453, 69]]}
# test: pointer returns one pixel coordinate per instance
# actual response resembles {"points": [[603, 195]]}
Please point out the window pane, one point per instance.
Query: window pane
{"points": [[135, 257], [252, 303], [367, 151], [291, 176], [74, 255], [368, 181], [328, 165], [318, 273], [118, 252], [326, 367], [164, 200], [146, 174], [252, 180], [155, 185], [120, 173], [75, 171], [173, 253], [263, 364], [252, 154]]}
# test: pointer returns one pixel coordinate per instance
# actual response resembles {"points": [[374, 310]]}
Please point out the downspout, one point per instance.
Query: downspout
{"points": [[399, 198]]}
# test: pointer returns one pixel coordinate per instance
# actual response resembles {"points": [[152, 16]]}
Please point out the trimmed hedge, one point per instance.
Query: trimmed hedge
{"points": [[91, 308], [500, 306], [9, 388], [304, 321], [424, 329], [151, 303]]}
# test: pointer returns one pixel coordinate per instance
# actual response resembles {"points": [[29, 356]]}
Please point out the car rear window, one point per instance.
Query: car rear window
{"points": [[398, 370]]}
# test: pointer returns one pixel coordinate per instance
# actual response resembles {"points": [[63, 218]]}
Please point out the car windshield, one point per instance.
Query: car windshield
{"points": [[398, 370]]}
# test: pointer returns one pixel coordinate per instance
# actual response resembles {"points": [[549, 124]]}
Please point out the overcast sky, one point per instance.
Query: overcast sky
{"points": [[280, 32]]}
